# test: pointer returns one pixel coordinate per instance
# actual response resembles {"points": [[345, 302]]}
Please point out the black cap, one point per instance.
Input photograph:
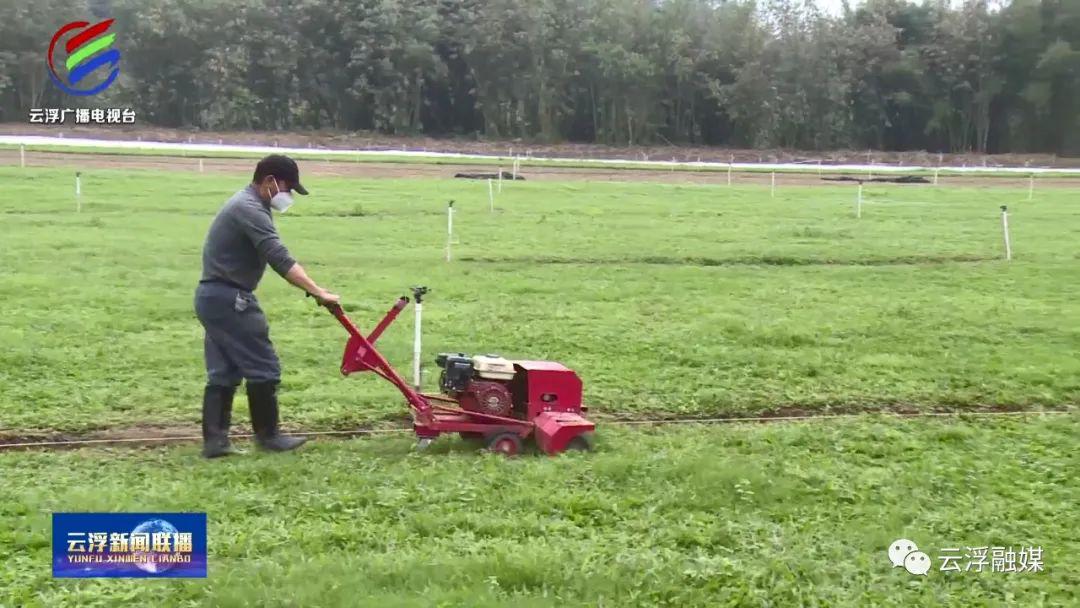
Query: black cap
{"points": [[281, 167]]}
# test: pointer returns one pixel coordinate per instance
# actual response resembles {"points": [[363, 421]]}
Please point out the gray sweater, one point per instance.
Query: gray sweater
{"points": [[242, 241]]}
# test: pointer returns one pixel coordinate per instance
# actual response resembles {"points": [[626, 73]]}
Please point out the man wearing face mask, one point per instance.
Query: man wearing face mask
{"points": [[241, 243]]}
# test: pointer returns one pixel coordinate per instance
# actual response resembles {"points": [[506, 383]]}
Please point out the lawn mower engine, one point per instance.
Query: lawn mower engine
{"points": [[544, 392], [479, 384]]}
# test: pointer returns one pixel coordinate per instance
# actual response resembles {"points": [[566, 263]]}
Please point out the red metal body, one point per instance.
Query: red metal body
{"points": [[545, 386], [552, 392], [555, 430]]}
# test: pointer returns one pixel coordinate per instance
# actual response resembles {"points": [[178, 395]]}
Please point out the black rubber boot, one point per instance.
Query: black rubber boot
{"points": [[263, 405], [216, 419]]}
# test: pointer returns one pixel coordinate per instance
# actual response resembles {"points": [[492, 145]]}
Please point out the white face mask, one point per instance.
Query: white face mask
{"points": [[281, 201]]}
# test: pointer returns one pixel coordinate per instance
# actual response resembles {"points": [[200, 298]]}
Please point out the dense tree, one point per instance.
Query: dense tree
{"points": [[989, 76]]}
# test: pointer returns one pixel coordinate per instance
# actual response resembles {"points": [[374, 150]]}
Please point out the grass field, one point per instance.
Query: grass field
{"points": [[687, 300], [773, 515], [669, 301]]}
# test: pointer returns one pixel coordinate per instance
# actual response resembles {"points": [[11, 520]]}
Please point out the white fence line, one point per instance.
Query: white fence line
{"points": [[31, 140]]}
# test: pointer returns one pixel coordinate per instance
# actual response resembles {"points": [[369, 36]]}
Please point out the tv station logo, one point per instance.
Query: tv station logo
{"points": [[86, 49], [83, 62], [129, 545]]}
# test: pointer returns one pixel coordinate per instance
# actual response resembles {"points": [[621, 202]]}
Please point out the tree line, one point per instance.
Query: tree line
{"points": [[886, 74]]}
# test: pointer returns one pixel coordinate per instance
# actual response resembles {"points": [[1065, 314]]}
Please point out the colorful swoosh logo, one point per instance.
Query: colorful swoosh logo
{"points": [[87, 51]]}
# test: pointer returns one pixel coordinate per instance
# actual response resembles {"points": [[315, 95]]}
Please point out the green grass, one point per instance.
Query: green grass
{"points": [[506, 162], [775, 515], [667, 299]]}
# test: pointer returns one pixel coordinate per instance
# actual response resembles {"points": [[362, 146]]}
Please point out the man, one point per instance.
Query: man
{"points": [[241, 242]]}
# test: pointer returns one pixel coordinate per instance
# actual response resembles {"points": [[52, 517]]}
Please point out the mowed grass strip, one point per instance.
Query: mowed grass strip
{"points": [[736, 515], [667, 299]]}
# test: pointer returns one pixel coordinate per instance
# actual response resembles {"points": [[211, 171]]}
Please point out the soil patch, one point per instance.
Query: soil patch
{"points": [[403, 170], [146, 435]]}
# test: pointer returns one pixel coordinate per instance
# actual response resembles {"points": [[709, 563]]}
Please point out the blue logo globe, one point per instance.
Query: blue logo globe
{"points": [[151, 527]]}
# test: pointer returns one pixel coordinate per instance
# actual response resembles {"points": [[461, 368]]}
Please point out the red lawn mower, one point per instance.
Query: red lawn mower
{"points": [[484, 398]]}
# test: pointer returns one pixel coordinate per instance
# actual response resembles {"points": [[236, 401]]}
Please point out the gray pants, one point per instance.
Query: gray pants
{"points": [[237, 343]]}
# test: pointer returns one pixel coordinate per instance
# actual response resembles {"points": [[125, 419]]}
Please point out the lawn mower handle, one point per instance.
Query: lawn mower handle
{"points": [[335, 308], [329, 306], [360, 355], [339, 313]]}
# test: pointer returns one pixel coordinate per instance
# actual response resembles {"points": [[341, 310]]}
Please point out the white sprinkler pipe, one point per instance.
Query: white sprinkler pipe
{"points": [[416, 347], [449, 228], [1005, 230]]}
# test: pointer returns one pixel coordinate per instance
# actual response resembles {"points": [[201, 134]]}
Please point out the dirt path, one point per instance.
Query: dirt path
{"points": [[345, 140], [401, 170], [157, 435]]}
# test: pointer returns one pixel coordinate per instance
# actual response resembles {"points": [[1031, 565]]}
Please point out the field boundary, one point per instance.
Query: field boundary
{"points": [[146, 147]]}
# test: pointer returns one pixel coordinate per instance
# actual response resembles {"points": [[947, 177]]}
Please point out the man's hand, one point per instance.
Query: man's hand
{"points": [[297, 276], [325, 298]]}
